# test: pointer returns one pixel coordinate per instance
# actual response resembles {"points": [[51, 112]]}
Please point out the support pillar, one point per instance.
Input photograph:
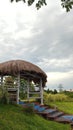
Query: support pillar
{"points": [[2, 83], [18, 87], [28, 90], [41, 91], [1, 80]]}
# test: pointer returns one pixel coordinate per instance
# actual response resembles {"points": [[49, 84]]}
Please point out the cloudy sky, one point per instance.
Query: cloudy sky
{"points": [[43, 37]]}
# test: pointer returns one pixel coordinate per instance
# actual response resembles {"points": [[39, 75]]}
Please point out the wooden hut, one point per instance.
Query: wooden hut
{"points": [[27, 70]]}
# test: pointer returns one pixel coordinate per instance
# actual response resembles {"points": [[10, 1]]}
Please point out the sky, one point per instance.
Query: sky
{"points": [[43, 37]]}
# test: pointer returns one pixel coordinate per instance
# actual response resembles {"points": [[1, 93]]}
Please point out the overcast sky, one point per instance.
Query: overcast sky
{"points": [[43, 37]]}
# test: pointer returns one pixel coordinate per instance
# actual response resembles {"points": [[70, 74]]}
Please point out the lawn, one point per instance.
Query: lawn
{"points": [[12, 117], [67, 107]]}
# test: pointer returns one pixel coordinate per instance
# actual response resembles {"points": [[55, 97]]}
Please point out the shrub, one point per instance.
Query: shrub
{"points": [[70, 94], [61, 97], [4, 99], [45, 98], [54, 97]]}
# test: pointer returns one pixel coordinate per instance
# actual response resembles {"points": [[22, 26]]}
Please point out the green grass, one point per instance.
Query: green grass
{"points": [[67, 107], [13, 118]]}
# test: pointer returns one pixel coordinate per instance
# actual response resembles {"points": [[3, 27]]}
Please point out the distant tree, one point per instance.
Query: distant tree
{"points": [[51, 91], [48, 91], [55, 91]]}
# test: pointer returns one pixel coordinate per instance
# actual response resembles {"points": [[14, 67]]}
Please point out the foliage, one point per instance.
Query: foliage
{"points": [[9, 82], [69, 94], [23, 85], [13, 118], [38, 4], [45, 98], [23, 88], [23, 95], [55, 97], [67, 4], [4, 98], [51, 91]]}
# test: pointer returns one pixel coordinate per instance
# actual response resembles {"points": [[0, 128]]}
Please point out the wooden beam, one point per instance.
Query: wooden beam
{"points": [[31, 75]]}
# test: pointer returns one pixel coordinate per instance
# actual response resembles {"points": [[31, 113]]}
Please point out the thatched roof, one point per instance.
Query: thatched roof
{"points": [[14, 67]]}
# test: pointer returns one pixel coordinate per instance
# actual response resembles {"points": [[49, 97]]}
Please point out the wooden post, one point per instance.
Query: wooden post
{"points": [[41, 91], [1, 80], [28, 90], [2, 83], [18, 87]]}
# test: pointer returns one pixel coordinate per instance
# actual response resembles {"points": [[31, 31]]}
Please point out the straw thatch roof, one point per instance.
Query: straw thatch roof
{"points": [[14, 67]]}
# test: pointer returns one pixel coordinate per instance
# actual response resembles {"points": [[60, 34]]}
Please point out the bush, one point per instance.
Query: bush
{"points": [[55, 97], [45, 98], [70, 94], [61, 97], [4, 99]]}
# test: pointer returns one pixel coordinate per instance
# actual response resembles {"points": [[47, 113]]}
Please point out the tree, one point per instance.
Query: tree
{"points": [[55, 91], [67, 4], [38, 4]]}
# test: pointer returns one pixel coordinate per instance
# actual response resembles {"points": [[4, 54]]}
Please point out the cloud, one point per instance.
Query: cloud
{"points": [[42, 37], [56, 78]]}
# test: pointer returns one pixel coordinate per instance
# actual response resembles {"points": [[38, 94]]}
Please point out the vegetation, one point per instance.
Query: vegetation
{"points": [[69, 94], [51, 91], [67, 107], [55, 97], [38, 4], [67, 4], [14, 118], [63, 101]]}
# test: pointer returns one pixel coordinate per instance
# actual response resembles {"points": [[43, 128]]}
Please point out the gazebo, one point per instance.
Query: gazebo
{"points": [[23, 69]]}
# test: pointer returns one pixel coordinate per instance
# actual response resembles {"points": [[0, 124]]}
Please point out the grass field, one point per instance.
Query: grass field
{"points": [[13, 118], [67, 107]]}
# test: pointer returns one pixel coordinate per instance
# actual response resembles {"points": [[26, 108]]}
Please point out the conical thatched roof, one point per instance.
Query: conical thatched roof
{"points": [[14, 67]]}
